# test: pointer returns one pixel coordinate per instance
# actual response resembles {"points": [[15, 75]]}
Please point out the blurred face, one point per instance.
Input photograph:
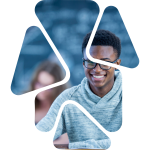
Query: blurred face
{"points": [[44, 79], [97, 77]]}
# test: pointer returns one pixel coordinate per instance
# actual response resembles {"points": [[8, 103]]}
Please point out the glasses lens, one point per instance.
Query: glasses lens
{"points": [[105, 67], [89, 64]]}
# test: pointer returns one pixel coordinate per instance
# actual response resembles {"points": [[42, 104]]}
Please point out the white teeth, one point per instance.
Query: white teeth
{"points": [[98, 76]]}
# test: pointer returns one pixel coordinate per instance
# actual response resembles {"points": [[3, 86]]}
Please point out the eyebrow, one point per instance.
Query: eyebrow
{"points": [[99, 59], [104, 58]]}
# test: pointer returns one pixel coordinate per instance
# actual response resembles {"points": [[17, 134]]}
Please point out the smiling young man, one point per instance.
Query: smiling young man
{"points": [[100, 93], [105, 46]]}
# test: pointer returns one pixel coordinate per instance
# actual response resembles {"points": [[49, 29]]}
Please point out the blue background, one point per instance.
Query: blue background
{"points": [[67, 22]]}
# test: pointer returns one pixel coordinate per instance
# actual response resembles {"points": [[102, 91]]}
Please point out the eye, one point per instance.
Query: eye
{"points": [[90, 62]]}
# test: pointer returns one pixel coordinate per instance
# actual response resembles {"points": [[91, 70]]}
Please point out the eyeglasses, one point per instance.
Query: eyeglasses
{"points": [[91, 65]]}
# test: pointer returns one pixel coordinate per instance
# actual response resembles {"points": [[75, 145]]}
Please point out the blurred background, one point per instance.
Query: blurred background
{"points": [[67, 22]]}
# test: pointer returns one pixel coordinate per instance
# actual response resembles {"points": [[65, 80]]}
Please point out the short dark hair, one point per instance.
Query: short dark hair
{"points": [[103, 38]]}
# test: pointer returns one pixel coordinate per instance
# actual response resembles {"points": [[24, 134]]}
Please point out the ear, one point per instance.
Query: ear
{"points": [[83, 64], [118, 63]]}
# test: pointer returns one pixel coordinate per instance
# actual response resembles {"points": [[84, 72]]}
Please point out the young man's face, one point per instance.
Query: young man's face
{"points": [[97, 77]]}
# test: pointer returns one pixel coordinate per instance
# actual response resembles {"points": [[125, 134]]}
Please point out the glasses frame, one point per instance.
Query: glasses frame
{"points": [[98, 63]]}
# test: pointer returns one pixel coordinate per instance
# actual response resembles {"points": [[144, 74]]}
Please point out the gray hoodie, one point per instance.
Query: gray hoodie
{"points": [[82, 132]]}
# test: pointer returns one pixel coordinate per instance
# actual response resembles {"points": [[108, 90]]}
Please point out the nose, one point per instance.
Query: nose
{"points": [[97, 68]]}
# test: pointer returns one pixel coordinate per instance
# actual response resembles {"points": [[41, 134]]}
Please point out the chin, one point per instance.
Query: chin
{"points": [[99, 86], [97, 83]]}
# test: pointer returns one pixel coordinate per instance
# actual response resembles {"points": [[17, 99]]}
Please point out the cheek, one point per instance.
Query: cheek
{"points": [[86, 71], [112, 72]]}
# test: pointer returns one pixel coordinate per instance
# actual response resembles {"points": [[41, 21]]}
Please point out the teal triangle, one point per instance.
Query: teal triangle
{"points": [[35, 49], [67, 23], [112, 21]]}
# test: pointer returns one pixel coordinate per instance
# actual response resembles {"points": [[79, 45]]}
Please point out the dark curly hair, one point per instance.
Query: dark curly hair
{"points": [[103, 38]]}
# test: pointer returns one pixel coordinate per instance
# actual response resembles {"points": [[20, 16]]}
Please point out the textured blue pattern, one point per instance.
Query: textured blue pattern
{"points": [[91, 144]]}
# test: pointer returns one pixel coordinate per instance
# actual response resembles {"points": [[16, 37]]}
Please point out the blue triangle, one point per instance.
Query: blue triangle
{"points": [[112, 21]]}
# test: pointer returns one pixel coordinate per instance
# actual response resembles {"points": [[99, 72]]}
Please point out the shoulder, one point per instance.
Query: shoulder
{"points": [[68, 93], [75, 90]]}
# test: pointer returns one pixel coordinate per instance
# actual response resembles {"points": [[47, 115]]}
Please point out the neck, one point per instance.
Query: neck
{"points": [[102, 91], [44, 103]]}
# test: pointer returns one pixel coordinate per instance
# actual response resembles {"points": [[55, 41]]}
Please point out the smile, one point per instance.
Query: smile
{"points": [[98, 77]]}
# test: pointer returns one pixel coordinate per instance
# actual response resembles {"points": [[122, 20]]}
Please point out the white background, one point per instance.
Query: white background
{"points": [[17, 129]]}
